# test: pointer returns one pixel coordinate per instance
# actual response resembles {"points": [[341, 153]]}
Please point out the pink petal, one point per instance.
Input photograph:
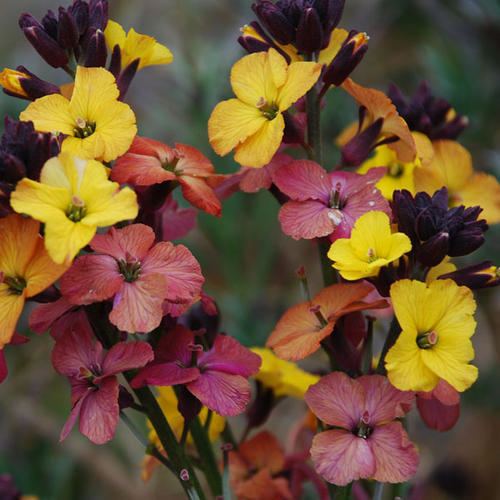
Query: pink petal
{"points": [[73, 416], [444, 393], [303, 180], [131, 241], [126, 356], [229, 356], [437, 415], [178, 265], [395, 455], [91, 278], [200, 194], [44, 315], [72, 320], [255, 179], [223, 393], [174, 346], [337, 400], [165, 374], [175, 222], [3, 367], [356, 183], [137, 308], [308, 219], [192, 162], [383, 402], [140, 170], [99, 412], [340, 457]]}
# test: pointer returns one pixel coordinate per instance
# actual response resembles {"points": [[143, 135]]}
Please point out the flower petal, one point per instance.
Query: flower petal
{"points": [[307, 219], [200, 194], [126, 356], [301, 77], [165, 374], [50, 113], [11, 306]]}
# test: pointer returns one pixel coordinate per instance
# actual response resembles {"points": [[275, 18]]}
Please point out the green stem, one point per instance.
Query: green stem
{"points": [[228, 436], [378, 492], [206, 453], [392, 336], [313, 125], [329, 274], [339, 492]]}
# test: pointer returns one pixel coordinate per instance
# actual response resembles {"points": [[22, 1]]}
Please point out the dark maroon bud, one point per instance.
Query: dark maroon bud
{"points": [[126, 76], [115, 64], [50, 23], [67, 30], [432, 251], [357, 150], [271, 16], [36, 87], [188, 405], [334, 11], [80, 12], [482, 275], [261, 407], [98, 14], [125, 399], [252, 45], [96, 51], [309, 36]]}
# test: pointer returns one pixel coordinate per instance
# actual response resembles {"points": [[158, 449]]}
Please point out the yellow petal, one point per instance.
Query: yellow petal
{"points": [[50, 113], [160, 55], [145, 48], [106, 211], [11, 306], [114, 35], [301, 78], [336, 40], [259, 148], [232, 122], [400, 244], [444, 267], [90, 147], [372, 231]]}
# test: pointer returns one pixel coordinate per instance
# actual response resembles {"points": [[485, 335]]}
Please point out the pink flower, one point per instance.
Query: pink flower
{"points": [[217, 377], [145, 280], [440, 408], [325, 204], [175, 222], [255, 179], [367, 442], [92, 375]]}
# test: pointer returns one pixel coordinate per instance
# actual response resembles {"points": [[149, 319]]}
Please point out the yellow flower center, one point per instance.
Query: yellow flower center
{"points": [[395, 170], [76, 210], [83, 128], [427, 340], [372, 257], [269, 110]]}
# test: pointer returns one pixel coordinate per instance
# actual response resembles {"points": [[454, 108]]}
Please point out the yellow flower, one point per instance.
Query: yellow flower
{"points": [[283, 377], [96, 124], [253, 123], [444, 267], [370, 247], [10, 80], [134, 46], [437, 323], [73, 198], [452, 167]]}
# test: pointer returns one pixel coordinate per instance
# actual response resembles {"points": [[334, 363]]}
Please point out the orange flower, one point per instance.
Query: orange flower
{"points": [[301, 329], [252, 467], [25, 270]]}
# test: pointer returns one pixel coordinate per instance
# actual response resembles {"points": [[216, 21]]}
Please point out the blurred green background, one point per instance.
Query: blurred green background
{"points": [[249, 264]]}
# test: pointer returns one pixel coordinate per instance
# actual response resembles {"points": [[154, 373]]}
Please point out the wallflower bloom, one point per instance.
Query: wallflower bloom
{"points": [[73, 198], [301, 329], [367, 441], [283, 377], [96, 124], [135, 46], [25, 270], [370, 247], [253, 123], [217, 377], [94, 385], [139, 275], [325, 204], [149, 162], [440, 408], [437, 323]]}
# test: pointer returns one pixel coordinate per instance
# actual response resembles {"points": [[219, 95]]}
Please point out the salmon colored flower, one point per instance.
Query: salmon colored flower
{"points": [[135, 46], [254, 469], [149, 162], [452, 168], [370, 247], [92, 373], [73, 198], [252, 123], [366, 441], [217, 377], [301, 329], [437, 322], [96, 125], [255, 179], [25, 270], [325, 204], [137, 274]]}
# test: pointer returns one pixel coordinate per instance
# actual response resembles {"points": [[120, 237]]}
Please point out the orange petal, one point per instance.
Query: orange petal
{"points": [[11, 306]]}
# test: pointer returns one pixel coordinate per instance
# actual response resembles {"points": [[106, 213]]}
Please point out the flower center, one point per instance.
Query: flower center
{"points": [[427, 340], [372, 256], [269, 110], [130, 270], [83, 128], [335, 200], [16, 284], [396, 170], [171, 165], [76, 210], [363, 430]]}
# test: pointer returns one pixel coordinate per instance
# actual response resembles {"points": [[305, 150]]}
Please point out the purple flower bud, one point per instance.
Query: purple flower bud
{"points": [[309, 32], [432, 251], [482, 275], [96, 52], [360, 146], [271, 16], [252, 45], [80, 12], [49, 23], [126, 76], [36, 87], [67, 30], [98, 14]]}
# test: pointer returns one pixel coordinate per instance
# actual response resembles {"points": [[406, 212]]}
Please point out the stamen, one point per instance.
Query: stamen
{"points": [[371, 255], [83, 128], [269, 110], [427, 340], [395, 170], [316, 310], [16, 284], [76, 210], [130, 269]]}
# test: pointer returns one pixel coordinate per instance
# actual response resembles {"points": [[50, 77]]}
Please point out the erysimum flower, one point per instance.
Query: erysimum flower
{"points": [[25, 270], [283, 377], [253, 123], [452, 167], [95, 123], [301, 329], [325, 204], [73, 198], [367, 441], [135, 46], [149, 162], [92, 374], [370, 247], [254, 469], [440, 408], [217, 377], [139, 275], [437, 323]]}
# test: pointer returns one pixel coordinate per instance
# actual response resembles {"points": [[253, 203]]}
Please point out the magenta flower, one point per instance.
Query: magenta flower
{"points": [[439, 408], [92, 375], [146, 281], [218, 377], [325, 204], [367, 441]]}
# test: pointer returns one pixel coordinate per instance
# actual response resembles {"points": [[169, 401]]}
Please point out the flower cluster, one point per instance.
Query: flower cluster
{"points": [[89, 209]]}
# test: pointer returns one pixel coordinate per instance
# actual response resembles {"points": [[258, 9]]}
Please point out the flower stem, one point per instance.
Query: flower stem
{"points": [[392, 336], [329, 274], [313, 125], [339, 492], [378, 492]]}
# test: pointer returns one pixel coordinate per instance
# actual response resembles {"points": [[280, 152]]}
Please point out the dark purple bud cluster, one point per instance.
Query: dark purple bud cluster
{"points": [[435, 229], [23, 152], [76, 31], [433, 116], [32, 86]]}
